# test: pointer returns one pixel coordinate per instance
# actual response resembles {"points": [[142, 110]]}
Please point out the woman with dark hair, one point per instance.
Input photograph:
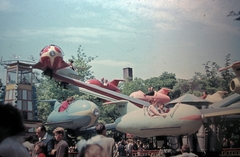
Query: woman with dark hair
{"points": [[11, 127], [39, 148]]}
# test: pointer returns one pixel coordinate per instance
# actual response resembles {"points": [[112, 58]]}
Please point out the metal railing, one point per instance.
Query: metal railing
{"points": [[230, 152]]}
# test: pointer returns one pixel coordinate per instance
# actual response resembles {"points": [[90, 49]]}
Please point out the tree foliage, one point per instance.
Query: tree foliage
{"points": [[211, 81], [167, 80]]}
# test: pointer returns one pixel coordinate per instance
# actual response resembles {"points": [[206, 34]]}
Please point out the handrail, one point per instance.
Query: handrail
{"points": [[230, 152]]}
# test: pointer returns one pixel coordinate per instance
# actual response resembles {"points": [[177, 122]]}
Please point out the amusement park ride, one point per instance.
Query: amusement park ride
{"points": [[134, 116], [160, 96], [113, 85], [80, 114], [234, 83]]}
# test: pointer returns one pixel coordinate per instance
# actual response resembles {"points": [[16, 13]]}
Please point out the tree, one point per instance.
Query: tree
{"points": [[81, 64], [132, 86], [166, 80], [227, 75], [211, 82]]}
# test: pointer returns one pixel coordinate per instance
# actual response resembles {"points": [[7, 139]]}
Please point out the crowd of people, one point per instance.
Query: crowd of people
{"points": [[46, 145], [228, 143]]}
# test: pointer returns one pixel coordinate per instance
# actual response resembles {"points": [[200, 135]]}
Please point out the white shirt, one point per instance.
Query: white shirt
{"points": [[12, 147], [44, 137]]}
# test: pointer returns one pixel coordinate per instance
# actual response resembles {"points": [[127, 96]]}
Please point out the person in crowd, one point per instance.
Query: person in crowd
{"points": [[161, 108], [140, 146], [150, 92], [225, 143], [204, 95], [92, 150], [24, 80], [107, 143], [11, 128], [105, 82], [232, 144], [185, 150], [65, 104], [39, 148], [61, 148], [129, 147], [121, 149], [135, 146], [152, 109], [47, 139], [29, 143], [71, 64], [151, 145], [102, 80]]}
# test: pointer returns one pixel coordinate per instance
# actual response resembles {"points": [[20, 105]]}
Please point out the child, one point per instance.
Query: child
{"points": [[39, 148]]}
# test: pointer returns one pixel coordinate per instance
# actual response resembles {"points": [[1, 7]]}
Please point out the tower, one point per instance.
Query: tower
{"points": [[20, 91], [2, 91], [127, 74]]}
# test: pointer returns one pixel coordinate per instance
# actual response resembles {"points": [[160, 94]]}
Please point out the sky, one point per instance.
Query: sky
{"points": [[150, 36]]}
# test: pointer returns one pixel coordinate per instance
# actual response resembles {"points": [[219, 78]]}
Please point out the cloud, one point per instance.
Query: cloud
{"points": [[8, 6], [5, 5], [112, 63], [66, 34]]}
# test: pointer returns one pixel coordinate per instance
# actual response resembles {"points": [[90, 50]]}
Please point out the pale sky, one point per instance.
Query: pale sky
{"points": [[150, 36]]}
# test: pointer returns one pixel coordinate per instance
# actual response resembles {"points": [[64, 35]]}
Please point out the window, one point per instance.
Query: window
{"points": [[30, 116], [29, 105], [29, 95], [19, 104], [7, 95], [10, 94], [24, 105], [24, 94], [19, 94]]}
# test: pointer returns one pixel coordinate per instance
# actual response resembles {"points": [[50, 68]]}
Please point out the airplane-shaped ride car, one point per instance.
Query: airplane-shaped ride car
{"points": [[159, 96], [182, 119], [112, 85], [234, 84], [80, 114]]}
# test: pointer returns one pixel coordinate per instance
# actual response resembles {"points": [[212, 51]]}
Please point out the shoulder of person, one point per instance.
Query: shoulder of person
{"points": [[110, 139], [11, 147], [49, 136], [63, 142], [97, 137]]}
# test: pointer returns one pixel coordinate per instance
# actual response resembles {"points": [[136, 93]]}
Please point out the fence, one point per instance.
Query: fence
{"points": [[230, 152], [151, 153]]}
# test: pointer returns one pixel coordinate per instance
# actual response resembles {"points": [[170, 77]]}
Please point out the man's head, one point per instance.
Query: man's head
{"points": [[41, 131], [150, 88], [100, 129], [58, 133], [11, 122], [185, 149], [71, 61]]}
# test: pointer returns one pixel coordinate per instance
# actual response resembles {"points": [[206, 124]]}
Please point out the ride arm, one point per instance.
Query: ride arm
{"points": [[220, 111]]}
